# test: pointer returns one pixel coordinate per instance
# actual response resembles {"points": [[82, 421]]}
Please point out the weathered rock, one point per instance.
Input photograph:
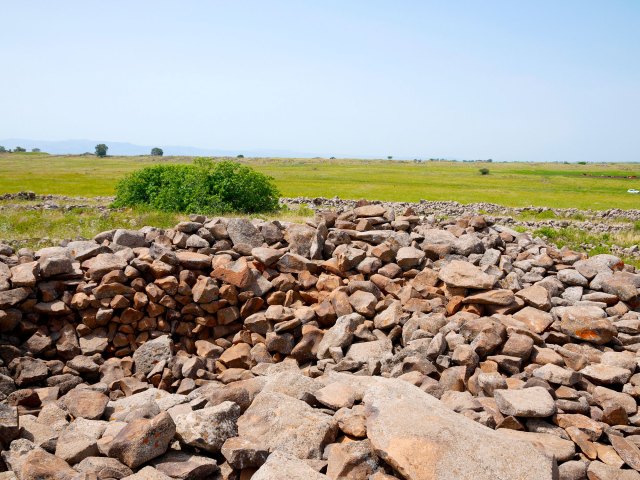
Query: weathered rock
{"points": [[439, 439], [628, 451], [104, 468], [242, 231], [340, 335], [351, 460], [528, 402], [98, 266], [143, 440], [153, 352], [209, 427], [279, 422], [9, 425], [283, 465], [129, 238], [243, 453], [606, 374], [186, 466], [588, 324], [462, 274], [85, 403]]}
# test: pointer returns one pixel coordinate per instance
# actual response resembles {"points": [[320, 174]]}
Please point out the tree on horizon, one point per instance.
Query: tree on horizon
{"points": [[101, 150]]}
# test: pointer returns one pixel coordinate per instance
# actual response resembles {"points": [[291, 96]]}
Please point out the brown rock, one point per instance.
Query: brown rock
{"points": [[628, 451], [85, 403], [142, 440], [458, 273]]}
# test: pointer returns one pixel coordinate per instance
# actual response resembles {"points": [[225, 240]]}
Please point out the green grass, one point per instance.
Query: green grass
{"points": [[574, 238], [38, 228], [510, 184], [41, 228]]}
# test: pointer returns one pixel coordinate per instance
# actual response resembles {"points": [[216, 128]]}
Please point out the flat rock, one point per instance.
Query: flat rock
{"points": [[458, 273], [148, 473], [186, 466], [336, 395], [606, 374], [628, 451], [129, 238], [10, 298], [549, 444], [85, 403], [587, 324], [536, 320], [276, 421], [281, 465], [536, 296], [527, 402], [430, 445], [104, 467], [558, 375], [98, 266], [492, 297], [602, 471]]}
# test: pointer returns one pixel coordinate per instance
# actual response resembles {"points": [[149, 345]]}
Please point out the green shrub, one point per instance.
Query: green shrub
{"points": [[484, 171], [204, 187]]}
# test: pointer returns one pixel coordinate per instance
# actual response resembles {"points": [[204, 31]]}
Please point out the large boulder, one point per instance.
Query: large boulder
{"points": [[422, 439], [277, 421]]}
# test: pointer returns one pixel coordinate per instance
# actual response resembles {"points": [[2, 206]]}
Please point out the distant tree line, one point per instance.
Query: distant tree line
{"points": [[17, 150], [102, 149]]}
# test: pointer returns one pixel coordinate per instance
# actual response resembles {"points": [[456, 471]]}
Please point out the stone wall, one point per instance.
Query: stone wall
{"points": [[239, 338]]}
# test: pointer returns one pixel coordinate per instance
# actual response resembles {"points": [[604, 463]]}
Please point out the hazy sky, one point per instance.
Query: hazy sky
{"points": [[532, 80]]}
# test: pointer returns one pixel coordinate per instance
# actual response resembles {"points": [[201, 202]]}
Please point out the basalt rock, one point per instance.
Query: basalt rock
{"points": [[368, 343]]}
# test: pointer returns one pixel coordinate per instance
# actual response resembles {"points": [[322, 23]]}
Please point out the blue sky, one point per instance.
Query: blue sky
{"points": [[509, 80]]}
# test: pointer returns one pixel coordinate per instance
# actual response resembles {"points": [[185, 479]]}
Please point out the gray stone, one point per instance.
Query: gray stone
{"points": [[527, 402], [242, 231], [129, 238], [151, 352], [275, 421], [432, 445], [209, 427], [281, 465]]}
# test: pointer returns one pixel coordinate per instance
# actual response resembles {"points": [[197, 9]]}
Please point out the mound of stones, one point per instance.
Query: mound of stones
{"points": [[361, 345], [457, 209]]}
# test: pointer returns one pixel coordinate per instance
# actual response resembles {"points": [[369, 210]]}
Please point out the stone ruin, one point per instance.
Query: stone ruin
{"points": [[365, 345]]}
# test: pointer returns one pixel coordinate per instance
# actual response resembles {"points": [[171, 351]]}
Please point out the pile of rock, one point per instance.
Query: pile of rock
{"points": [[362, 345], [456, 209]]}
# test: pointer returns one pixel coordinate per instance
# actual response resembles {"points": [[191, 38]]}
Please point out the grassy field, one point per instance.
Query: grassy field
{"points": [[593, 186]]}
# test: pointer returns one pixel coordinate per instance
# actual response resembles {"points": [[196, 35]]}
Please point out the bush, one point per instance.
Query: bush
{"points": [[204, 187], [157, 152], [484, 171], [19, 150]]}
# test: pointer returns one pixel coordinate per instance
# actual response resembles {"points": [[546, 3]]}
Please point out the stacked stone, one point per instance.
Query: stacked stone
{"points": [[226, 348]]}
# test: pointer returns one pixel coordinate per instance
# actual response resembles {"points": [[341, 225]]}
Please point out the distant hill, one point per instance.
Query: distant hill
{"points": [[62, 147]]}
